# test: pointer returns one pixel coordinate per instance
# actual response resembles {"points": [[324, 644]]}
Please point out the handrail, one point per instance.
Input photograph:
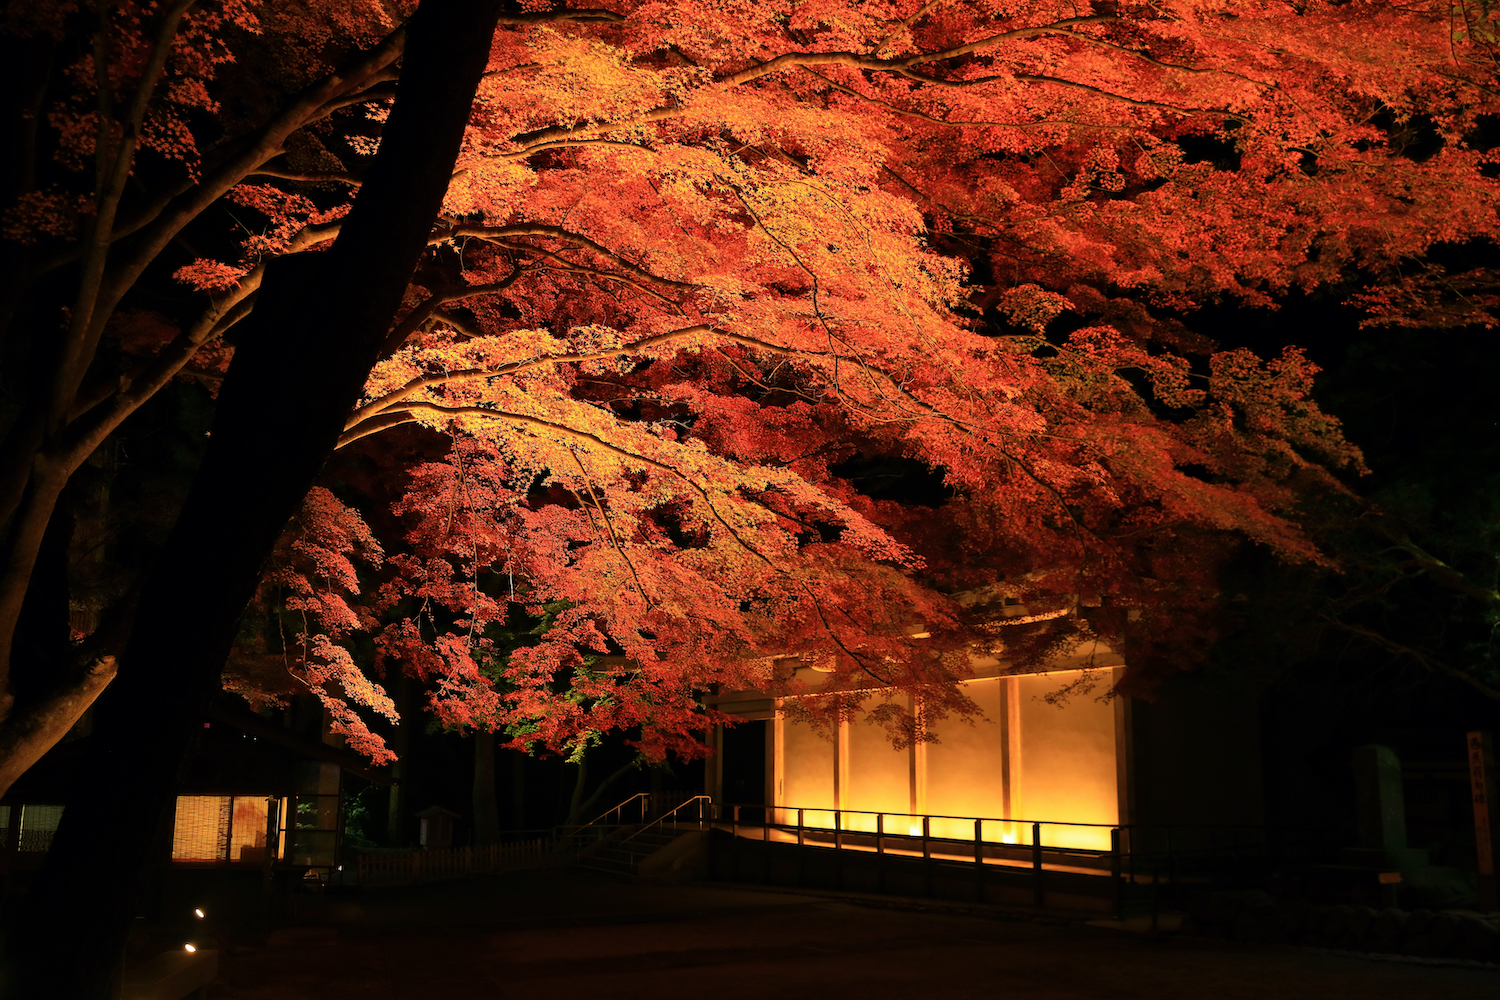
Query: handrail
{"points": [[617, 809], [1144, 864], [770, 812], [613, 818], [599, 819], [672, 812], [989, 819]]}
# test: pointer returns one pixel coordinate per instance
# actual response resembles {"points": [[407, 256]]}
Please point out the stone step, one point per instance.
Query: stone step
{"points": [[624, 857]]}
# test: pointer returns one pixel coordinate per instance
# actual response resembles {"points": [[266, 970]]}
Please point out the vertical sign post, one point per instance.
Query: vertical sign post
{"points": [[1482, 781]]}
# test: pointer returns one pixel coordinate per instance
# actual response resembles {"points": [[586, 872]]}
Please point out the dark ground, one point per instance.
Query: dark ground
{"points": [[567, 935]]}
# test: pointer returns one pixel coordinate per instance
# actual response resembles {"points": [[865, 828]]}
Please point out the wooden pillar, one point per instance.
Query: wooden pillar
{"points": [[1012, 803], [1486, 812], [776, 763], [918, 774], [841, 767], [1124, 755]]}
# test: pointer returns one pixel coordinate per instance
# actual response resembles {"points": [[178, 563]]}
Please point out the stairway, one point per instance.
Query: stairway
{"points": [[622, 857]]}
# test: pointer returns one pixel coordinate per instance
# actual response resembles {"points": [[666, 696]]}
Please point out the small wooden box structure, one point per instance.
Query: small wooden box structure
{"points": [[437, 827]]}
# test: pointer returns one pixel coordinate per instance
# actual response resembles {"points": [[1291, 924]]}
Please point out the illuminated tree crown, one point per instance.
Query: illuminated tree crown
{"points": [[702, 266]]}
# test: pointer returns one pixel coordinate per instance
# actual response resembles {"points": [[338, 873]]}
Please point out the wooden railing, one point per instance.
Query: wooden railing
{"points": [[458, 862]]}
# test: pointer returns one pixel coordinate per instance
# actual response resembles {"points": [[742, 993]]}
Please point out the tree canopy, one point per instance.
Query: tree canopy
{"points": [[705, 276]]}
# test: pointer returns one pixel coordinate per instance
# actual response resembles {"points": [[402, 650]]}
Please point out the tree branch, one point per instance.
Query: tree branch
{"points": [[1422, 659], [396, 396], [793, 60], [309, 177], [491, 233]]}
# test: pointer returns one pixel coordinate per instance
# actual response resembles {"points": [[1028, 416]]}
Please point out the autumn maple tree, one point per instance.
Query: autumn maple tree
{"points": [[692, 271], [696, 266]]}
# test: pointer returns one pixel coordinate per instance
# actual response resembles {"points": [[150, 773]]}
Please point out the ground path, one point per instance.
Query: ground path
{"points": [[561, 934]]}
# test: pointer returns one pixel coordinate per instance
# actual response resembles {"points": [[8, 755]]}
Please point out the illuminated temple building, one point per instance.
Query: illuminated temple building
{"points": [[1192, 756]]}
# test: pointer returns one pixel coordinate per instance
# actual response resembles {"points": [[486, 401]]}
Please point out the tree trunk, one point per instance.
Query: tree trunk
{"points": [[300, 367], [575, 802], [518, 790], [397, 823], [486, 806], [579, 807]]}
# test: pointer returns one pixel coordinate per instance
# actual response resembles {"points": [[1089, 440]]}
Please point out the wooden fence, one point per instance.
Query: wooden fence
{"points": [[458, 862]]}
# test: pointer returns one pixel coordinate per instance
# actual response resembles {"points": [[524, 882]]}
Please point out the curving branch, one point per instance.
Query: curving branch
{"points": [[458, 323], [608, 524], [499, 233], [563, 430], [394, 398], [1426, 662], [381, 87], [796, 60], [94, 419], [922, 115], [309, 177], [563, 264], [428, 307], [576, 14]]}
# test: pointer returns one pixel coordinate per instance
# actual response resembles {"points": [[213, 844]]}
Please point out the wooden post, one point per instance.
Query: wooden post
{"points": [[979, 860], [927, 853], [880, 852], [838, 847], [765, 840], [1114, 851], [1486, 808], [1038, 894], [801, 850]]}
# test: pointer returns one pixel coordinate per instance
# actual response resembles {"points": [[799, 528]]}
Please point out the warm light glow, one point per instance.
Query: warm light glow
{"points": [[199, 827], [188, 947], [220, 828], [1026, 761], [198, 911]]}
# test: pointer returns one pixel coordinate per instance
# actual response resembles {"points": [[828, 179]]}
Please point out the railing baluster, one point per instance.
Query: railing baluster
{"points": [[838, 847], [1119, 886], [1039, 896], [927, 854], [765, 839], [1219, 853], [801, 852], [979, 860]]}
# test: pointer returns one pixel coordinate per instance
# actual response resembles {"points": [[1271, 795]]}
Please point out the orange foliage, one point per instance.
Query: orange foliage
{"points": [[697, 255]]}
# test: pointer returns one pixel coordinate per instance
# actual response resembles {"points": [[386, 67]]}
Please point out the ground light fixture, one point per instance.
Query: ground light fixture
{"points": [[198, 912], [189, 947]]}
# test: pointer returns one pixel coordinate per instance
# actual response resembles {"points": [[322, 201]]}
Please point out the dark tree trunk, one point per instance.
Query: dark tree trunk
{"points": [[580, 780], [397, 822], [486, 806], [316, 332], [42, 628], [518, 790]]}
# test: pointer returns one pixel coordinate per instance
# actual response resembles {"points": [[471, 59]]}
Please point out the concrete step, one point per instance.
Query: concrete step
{"points": [[613, 858], [623, 858]]}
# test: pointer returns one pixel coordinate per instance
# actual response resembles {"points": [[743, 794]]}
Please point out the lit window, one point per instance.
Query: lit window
{"points": [[221, 828]]}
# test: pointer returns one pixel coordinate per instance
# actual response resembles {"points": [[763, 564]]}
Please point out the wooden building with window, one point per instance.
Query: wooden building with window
{"points": [[260, 801]]}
